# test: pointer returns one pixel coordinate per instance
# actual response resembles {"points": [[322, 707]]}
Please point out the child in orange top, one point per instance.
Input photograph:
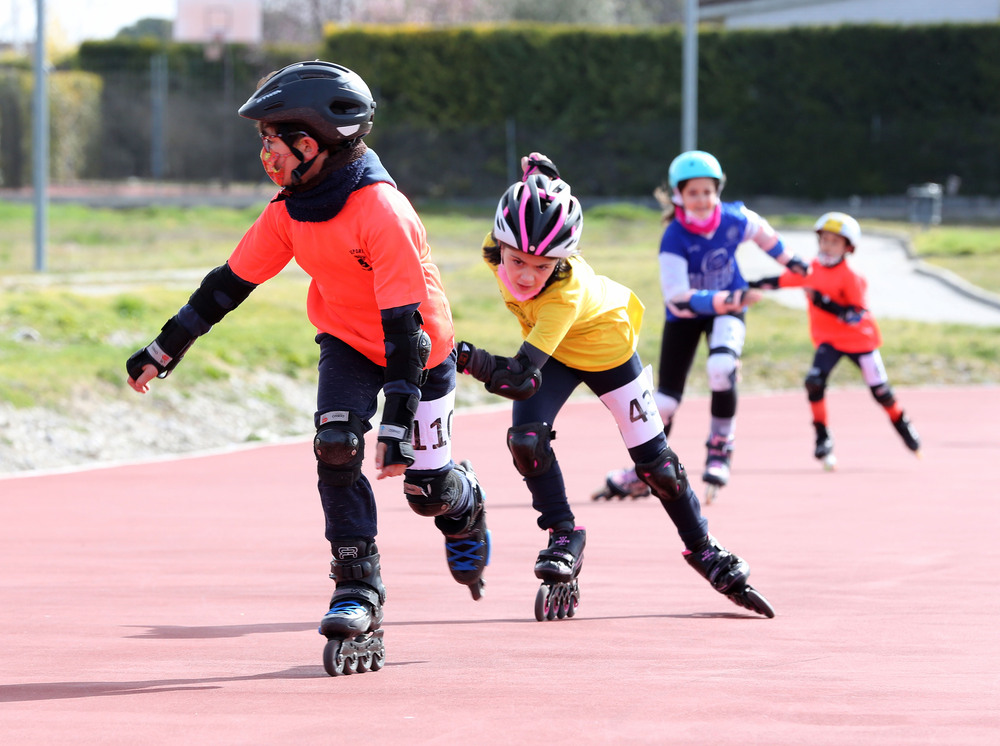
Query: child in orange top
{"points": [[383, 325], [840, 324]]}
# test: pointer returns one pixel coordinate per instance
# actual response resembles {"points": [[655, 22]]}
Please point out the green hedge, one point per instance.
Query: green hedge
{"points": [[74, 118], [815, 112]]}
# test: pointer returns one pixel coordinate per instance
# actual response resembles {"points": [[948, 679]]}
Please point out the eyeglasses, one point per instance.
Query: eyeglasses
{"points": [[266, 139]]}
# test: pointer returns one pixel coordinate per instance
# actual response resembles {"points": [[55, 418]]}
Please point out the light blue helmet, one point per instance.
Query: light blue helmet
{"points": [[695, 164]]}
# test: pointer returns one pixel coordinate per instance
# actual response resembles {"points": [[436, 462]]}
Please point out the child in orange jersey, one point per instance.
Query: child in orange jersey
{"points": [[383, 325], [840, 324]]}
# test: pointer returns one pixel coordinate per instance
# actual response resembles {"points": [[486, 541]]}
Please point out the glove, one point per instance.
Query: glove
{"points": [[514, 377], [764, 283], [799, 267], [163, 353], [536, 163], [474, 362], [852, 316]]}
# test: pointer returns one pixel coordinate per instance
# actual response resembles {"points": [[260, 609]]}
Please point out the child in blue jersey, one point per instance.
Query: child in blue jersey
{"points": [[705, 296], [579, 327]]}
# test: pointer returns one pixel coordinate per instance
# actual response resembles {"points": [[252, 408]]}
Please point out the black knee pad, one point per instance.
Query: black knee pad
{"points": [[529, 446], [339, 446], [665, 475], [815, 386], [883, 394], [432, 496]]}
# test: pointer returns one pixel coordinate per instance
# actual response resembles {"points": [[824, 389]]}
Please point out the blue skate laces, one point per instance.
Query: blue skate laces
{"points": [[463, 553]]}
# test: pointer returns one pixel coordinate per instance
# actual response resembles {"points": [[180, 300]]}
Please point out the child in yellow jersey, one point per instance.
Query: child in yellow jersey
{"points": [[383, 325], [579, 327]]}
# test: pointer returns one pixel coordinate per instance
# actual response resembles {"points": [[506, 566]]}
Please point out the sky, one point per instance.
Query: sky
{"points": [[78, 20]]}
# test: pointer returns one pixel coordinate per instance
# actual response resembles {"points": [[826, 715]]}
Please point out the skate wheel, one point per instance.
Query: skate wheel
{"points": [[351, 663], [378, 660], [333, 662], [365, 662], [542, 603], [750, 598], [601, 495], [711, 492], [476, 589], [829, 462]]}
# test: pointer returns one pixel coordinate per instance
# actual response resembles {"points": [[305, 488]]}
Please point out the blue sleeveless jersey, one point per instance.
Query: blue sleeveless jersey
{"points": [[711, 260]]}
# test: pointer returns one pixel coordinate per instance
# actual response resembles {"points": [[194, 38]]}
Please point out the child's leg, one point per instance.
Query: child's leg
{"points": [[626, 392], [529, 442], [870, 364], [678, 346], [436, 487], [824, 361]]}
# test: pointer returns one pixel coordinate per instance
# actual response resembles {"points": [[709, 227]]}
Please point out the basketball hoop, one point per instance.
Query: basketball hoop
{"points": [[216, 23]]}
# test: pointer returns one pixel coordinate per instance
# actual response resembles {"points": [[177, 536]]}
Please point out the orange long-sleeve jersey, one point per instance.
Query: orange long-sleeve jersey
{"points": [[373, 255], [842, 285]]}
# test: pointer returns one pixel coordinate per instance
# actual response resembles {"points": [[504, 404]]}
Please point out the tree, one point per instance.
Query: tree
{"points": [[303, 20], [148, 28]]}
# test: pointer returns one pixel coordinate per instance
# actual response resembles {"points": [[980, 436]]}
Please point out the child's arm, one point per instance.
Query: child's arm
{"points": [[761, 233], [846, 313], [515, 377]]}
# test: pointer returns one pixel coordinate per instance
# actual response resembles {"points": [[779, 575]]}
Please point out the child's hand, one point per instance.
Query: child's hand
{"points": [[735, 300], [799, 267], [475, 362], [852, 315], [764, 283]]}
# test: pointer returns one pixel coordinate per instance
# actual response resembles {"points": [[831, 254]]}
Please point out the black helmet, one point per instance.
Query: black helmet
{"points": [[332, 101]]}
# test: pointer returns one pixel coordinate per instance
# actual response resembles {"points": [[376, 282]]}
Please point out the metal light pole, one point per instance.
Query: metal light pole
{"points": [[689, 79], [40, 140]]}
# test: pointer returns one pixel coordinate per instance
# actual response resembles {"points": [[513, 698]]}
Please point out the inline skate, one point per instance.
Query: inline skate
{"points": [[622, 483], [728, 575], [558, 566], [909, 435], [716, 476], [466, 538], [824, 447], [353, 624]]}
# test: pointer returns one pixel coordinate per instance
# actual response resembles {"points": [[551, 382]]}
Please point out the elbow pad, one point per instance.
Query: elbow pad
{"points": [[219, 293], [407, 349]]}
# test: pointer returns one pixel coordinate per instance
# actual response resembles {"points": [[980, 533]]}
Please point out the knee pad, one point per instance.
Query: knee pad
{"points": [[883, 394], [665, 475], [529, 446], [339, 446], [432, 495], [722, 367], [815, 386]]}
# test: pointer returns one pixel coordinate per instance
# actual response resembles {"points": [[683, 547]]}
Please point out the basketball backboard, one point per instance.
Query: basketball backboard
{"points": [[218, 21]]}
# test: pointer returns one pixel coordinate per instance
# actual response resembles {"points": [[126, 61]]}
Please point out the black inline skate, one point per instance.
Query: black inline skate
{"points": [[352, 626], [558, 566], [716, 476], [466, 538], [824, 447], [909, 435], [728, 575]]}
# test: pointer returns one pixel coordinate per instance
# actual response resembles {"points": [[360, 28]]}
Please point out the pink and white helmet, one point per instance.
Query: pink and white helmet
{"points": [[540, 216]]}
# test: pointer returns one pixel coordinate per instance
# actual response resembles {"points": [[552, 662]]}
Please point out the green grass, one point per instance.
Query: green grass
{"points": [[60, 339]]}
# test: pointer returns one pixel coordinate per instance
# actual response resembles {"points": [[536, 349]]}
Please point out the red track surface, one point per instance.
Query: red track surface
{"points": [[176, 602]]}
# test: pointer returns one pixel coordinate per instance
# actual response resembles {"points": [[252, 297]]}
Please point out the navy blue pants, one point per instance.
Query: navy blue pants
{"points": [[548, 491], [349, 381]]}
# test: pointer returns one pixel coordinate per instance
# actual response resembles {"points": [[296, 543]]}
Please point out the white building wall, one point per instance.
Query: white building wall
{"points": [[778, 13]]}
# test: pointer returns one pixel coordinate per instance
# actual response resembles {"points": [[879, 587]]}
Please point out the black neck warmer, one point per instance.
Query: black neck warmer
{"points": [[324, 198]]}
